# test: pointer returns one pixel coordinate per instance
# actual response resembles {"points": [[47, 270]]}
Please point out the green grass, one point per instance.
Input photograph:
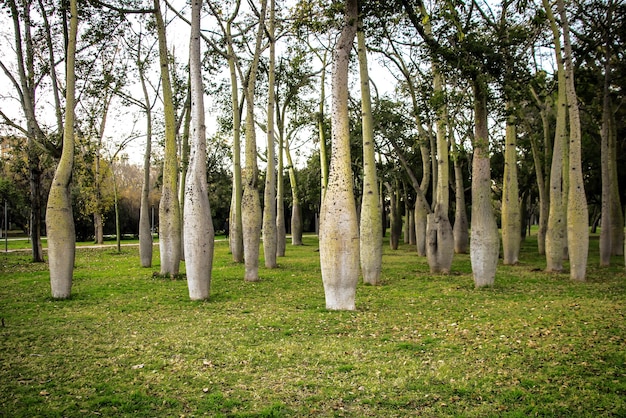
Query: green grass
{"points": [[130, 344]]}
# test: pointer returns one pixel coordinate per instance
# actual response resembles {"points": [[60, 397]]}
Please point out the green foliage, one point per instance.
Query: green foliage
{"points": [[128, 345]]}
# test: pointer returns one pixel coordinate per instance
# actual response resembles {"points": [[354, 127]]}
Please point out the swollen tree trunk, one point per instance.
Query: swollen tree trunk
{"points": [[197, 211], [484, 240], [371, 234], [59, 219], [577, 210], [511, 214], [250, 201], [269, 210], [555, 234], [439, 237], [617, 218], [145, 230], [169, 207], [339, 234]]}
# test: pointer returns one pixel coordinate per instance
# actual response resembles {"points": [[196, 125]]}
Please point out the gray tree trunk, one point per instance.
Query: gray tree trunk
{"points": [[577, 210], [511, 213], [169, 207], [370, 232], [440, 240], [270, 238], [461, 223], [250, 200], [339, 233], [199, 234], [145, 230], [555, 234], [484, 239], [59, 219]]}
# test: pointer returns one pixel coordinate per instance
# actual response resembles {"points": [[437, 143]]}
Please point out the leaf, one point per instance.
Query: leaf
{"points": [[137, 366]]}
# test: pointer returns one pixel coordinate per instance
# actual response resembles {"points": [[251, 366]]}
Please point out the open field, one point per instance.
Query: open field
{"points": [[130, 344]]}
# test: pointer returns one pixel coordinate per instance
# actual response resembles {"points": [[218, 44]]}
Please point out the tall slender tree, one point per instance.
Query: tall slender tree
{"points": [[577, 210], [59, 218], [339, 236], [169, 207], [197, 210], [370, 228], [269, 210]]}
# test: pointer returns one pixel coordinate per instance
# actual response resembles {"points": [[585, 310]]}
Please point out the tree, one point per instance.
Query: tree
{"points": [[59, 219], [577, 211], [197, 210], [250, 203], [555, 234], [269, 211], [169, 208], [370, 228], [339, 239]]}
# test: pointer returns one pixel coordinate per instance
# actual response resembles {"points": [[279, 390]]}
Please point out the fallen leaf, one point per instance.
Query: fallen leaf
{"points": [[137, 366]]}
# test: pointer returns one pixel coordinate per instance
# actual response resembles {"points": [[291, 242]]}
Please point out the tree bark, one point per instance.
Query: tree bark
{"points": [[555, 235], [511, 214], [145, 230], [270, 239], [484, 240], [169, 207], [250, 201], [199, 235], [577, 210], [59, 219], [281, 232], [461, 224], [339, 236], [235, 225], [440, 240], [370, 232], [296, 211]]}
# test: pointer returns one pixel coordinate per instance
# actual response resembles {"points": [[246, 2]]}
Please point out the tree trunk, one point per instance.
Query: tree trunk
{"points": [[339, 234], [395, 216], [484, 240], [412, 240], [421, 218], [606, 219], [555, 235], [199, 235], [59, 219], [370, 232], [250, 201], [577, 210], [184, 167], [235, 225], [440, 240], [296, 211], [169, 207], [270, 239], [461, 227], [145, 230], [511, 215], [544, 201], [281, 232]]}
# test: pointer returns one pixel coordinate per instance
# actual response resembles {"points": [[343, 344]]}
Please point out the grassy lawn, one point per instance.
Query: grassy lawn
{"points": [[130, 344]]}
